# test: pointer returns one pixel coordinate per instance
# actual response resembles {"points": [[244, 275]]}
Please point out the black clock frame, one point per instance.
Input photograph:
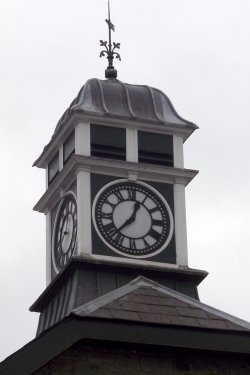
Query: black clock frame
{"points": [[111, 235]]}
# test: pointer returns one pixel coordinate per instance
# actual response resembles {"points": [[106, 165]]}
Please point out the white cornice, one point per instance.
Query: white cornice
{"points": [[111, 167]]}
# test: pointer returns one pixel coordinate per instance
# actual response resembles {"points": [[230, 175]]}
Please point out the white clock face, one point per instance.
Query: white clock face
{"points": [[133, 219], [65, 232]]}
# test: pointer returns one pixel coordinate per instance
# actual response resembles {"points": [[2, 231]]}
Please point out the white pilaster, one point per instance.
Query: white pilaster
{"points": [[82, 139], [132, 145], [84, 242], [60, 158], [48, 248], [178, 152], [47, 177], [180, 225]]}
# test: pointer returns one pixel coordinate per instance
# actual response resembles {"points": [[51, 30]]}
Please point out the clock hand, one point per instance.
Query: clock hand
{"points": [[65, 232], [136, 208], [68, 228], [66, 225], [131, 219]]}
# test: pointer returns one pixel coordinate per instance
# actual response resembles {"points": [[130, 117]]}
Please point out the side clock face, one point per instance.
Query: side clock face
{"points": [[132, 218], [65, 232]]}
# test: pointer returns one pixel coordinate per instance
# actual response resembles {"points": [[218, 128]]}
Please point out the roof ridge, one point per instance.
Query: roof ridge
{"points": [[128, 99], [151, 91], [102, 95], [97, 303]]}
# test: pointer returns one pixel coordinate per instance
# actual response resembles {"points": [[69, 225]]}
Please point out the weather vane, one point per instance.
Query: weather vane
{"points": [[110, 72]]}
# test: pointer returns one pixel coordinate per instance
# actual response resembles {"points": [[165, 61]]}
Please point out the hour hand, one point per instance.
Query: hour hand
{"points": [[127, 222], [131, 219]]}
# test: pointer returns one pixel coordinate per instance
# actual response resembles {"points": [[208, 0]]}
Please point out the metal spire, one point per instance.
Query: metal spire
{"points": [[110, 72]]}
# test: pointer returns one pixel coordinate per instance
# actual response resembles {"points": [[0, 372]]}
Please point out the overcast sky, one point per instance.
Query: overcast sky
{"points": [[197, 52]]}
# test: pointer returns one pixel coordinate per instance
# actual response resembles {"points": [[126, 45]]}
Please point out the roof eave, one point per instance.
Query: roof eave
{"points": [[56, 340]]}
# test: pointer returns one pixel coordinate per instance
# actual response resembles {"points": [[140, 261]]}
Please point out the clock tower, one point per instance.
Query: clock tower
{"points": [[115, 194], [120, 296]]}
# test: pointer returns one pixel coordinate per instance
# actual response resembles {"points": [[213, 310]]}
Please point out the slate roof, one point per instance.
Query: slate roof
{"points": [[139, 313], [145, 301]]}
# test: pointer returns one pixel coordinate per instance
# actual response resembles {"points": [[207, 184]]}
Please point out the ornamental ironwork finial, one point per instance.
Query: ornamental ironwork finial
{"points": [[109, 50]]}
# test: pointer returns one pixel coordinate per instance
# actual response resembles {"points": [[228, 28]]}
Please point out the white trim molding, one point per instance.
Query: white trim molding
{"points": [[178, 151], [47, 177], [48, 248], [119, 168], [84, 236], [133, 261], [82, 139], [180, 225], [60, 158], [132, 145]]}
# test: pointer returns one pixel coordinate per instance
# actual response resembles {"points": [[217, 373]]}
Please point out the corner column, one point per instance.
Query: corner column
{"points": [[82, 147], [48, 248], [180, 207], [132, 145], [180, 225]]}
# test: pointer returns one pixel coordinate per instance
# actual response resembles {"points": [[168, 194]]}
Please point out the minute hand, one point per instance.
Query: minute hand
{"points": [[131, 219]]}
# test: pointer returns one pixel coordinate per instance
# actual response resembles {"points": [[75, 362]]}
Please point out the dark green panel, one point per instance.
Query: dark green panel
{"points": [[108, 142], [69, 147], [106, 282], [166, 282], [187, 288], [124, 278], [86, 287], [53, 168], [155, 148]]}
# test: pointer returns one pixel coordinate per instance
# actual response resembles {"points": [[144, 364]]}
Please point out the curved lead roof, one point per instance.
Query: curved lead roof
{"points": [[113, 98], [122, 101]]}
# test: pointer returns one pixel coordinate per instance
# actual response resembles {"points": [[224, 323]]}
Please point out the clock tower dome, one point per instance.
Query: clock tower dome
{"points": [[115, 194]]}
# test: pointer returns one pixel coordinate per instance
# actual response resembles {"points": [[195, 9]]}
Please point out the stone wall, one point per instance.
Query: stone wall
{"points": [[89, 360]]}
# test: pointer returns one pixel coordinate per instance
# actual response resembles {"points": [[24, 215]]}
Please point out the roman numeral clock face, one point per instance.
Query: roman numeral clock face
{"points": [[132, 218], [65, 232]]}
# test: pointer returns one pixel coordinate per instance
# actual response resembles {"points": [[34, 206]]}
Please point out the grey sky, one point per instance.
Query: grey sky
{"points": [[197, 52]]}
